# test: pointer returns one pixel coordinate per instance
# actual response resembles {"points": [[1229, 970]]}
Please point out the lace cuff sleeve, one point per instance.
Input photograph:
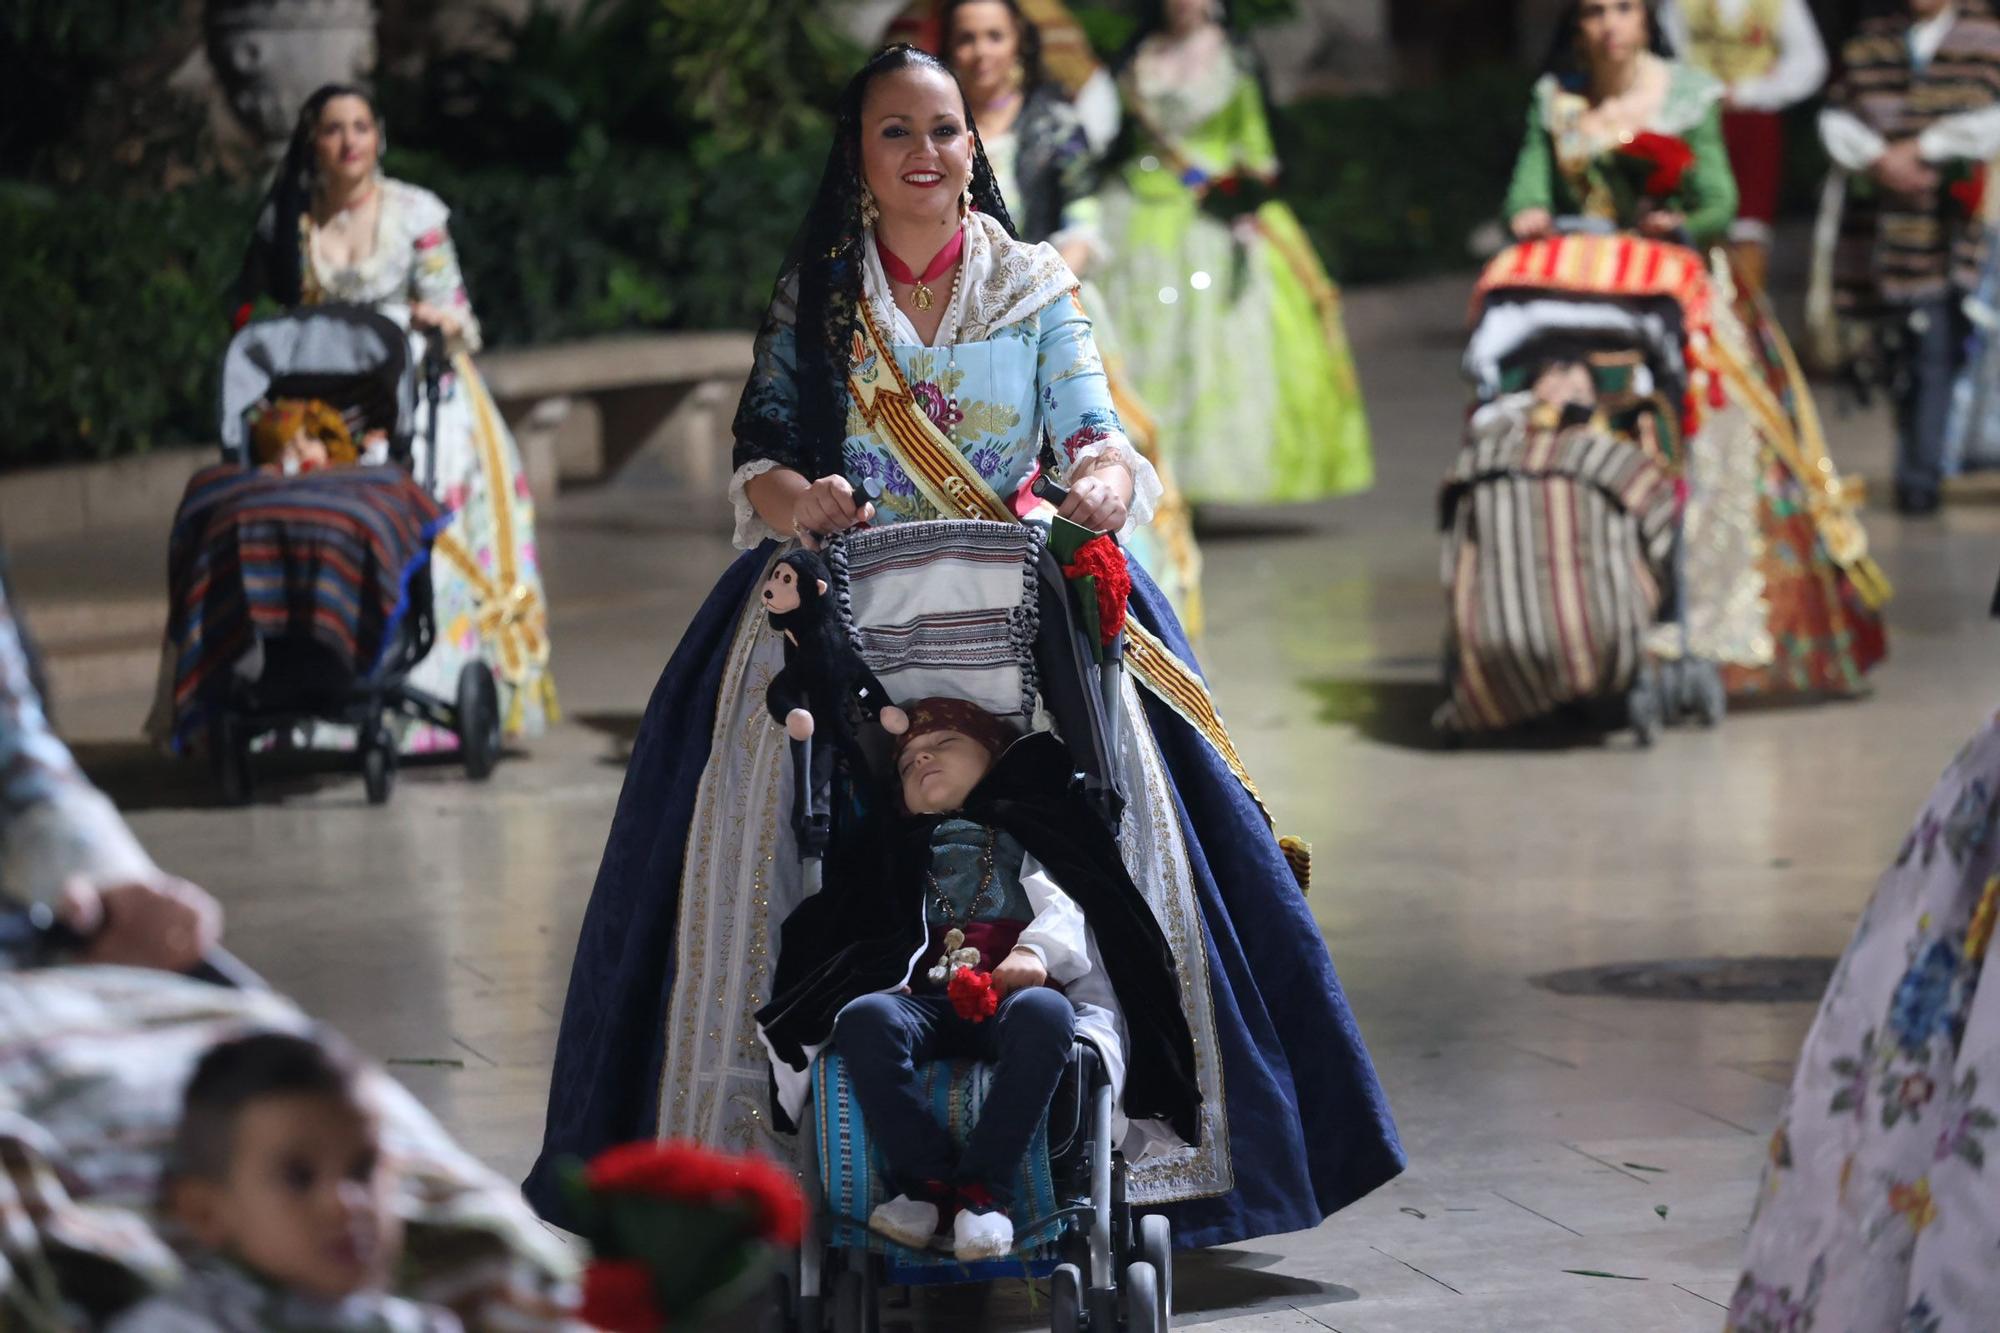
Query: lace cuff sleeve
{"points": [[750, 525], [1146, 488]]}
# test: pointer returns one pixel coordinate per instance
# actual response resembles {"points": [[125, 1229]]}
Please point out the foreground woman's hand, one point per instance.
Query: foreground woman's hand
{"points": [[826, 507], [162, 922], [1019, 970], [1098, 499]]}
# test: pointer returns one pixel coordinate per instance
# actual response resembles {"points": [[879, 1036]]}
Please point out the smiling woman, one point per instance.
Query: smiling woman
{"points": [[997, 379]]}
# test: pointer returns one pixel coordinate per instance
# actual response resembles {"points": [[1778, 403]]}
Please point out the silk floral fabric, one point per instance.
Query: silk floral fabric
{"points": [[1878, 1212]]}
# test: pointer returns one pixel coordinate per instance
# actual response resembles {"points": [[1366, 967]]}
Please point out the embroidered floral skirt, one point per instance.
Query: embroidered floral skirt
{"points": [[1877, 1212]]}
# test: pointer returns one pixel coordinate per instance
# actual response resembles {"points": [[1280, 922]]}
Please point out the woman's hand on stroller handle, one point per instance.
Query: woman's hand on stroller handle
{"points": [[1531, 224], [1098, 495], [829, 506]]}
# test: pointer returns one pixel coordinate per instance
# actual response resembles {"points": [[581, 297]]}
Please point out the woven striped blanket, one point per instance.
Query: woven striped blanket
{"points": [[947, 607], [851, 1167], [1555, 558], [255, 555]]}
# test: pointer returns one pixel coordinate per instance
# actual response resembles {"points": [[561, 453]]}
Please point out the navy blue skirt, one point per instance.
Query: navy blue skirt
{"points": [[1309, 1128]]}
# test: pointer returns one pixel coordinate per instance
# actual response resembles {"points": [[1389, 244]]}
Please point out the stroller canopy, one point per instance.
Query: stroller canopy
{"points": [[353, 358], [1593, 291]]}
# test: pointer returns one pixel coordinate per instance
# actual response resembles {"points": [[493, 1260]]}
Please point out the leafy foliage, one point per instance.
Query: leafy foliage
{"points": [[114, 326]]}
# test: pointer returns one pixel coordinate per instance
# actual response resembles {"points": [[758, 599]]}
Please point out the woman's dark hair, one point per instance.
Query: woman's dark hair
{"points": [[828, 260], [273, 266], [1565, 59], [1028, 54]]}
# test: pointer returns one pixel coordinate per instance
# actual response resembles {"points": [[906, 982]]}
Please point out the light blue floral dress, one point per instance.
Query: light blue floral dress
{"points": [[1013, 361], [1878, 1212]]}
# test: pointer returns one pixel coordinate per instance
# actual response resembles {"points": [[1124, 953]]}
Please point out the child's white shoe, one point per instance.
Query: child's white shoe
{"points": [[906, 1221], [977, 1236]]}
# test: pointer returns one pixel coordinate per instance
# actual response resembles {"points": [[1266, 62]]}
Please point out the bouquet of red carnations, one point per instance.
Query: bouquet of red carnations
{"points": [[1093, 562], [678, 1233], [1659, 163], [1227, 198]]}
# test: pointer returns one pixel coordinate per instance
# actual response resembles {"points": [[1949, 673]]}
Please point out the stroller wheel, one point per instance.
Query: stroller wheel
{"points": [[478, 720], [378, 765], [1066, 1299], [1143, 1311], [1156, 1247], [229, 757]]}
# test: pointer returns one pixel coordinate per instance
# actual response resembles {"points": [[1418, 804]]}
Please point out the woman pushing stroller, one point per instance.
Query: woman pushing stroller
{"points": [[943, 376], [1778, 589]]}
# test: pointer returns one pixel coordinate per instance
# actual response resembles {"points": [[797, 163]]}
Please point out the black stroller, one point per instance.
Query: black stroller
{"points": [[363, 364], [1108, 1270]]}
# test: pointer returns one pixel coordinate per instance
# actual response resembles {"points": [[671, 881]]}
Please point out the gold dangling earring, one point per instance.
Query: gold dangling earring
{"points": [[870, 214], [965, 203]]}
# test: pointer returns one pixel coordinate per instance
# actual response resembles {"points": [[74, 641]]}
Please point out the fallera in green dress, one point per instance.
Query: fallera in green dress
{"points": [[1235, 339]]}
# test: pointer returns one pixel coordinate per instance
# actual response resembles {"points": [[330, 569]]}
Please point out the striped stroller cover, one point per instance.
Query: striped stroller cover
{"points": [[329, 554], [851, 1169], [1557, 553]]}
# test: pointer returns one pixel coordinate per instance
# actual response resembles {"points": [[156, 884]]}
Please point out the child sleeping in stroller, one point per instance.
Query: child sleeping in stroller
{"points": [[295, 435], [277, 1172], [998, 924]]}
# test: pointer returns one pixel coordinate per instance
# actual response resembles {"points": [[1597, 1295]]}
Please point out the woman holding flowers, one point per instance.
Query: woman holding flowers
{"points": [[1777, 586], [1620, 133]]}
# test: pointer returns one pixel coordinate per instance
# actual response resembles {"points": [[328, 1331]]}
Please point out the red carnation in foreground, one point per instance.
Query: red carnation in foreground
{"points": [[690, 1173], [618, 1297], [1100, 558], [972, 995]]}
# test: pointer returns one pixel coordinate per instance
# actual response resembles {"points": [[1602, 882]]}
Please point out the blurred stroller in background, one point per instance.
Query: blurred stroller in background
{"points": [[1564, 547], [299, 587]]}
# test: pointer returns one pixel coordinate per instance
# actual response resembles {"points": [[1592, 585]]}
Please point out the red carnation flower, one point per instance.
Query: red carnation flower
{"points": [[1670, 159], [240, 318], [690, 1173], [1969, 190], [618, 1297], [972, 995], [1100, 558]]}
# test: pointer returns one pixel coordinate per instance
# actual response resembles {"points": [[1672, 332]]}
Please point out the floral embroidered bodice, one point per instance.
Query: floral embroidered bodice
{"points": [[1014, 360], [413, 260]]}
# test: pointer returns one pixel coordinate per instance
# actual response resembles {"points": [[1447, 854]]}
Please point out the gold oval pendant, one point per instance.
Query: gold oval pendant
{"points": [[923, 297]]}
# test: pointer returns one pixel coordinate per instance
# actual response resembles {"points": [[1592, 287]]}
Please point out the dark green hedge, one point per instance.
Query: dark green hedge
{"points": [[1390, 187], [113, 319]]}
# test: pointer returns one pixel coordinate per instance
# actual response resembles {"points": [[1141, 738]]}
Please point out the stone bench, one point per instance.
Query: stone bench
{"points": [[583, 411]]}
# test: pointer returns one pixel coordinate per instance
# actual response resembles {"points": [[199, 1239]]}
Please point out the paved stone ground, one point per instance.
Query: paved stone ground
{"points": [[1547, 1134]]}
